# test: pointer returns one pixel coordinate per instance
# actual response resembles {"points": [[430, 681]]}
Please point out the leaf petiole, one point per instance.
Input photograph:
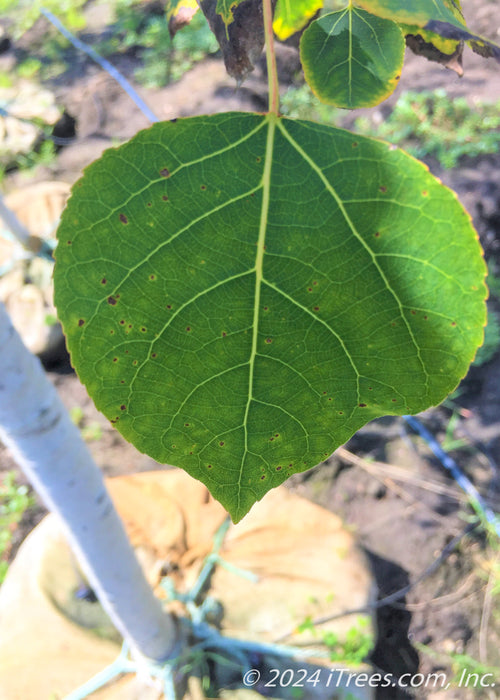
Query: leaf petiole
{"points": [[272, 73]]}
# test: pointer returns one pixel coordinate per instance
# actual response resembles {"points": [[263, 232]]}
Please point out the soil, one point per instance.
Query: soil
{"points": [[408, 513]]}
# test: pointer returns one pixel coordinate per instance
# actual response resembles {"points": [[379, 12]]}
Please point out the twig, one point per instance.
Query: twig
{"points": [[106, 65]]}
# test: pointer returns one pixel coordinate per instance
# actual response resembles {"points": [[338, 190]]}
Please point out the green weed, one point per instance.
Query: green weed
{"points": [[163, 59], [430, 123], [352, 649], [424, 123], [14, 502]]}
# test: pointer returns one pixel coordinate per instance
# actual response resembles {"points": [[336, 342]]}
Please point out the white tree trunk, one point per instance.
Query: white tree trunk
{"points": [[38, 430]]}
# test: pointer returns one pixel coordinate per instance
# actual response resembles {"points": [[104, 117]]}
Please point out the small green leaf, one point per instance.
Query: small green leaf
{"points": [[241, 293], [292, 15], [352, 58]]}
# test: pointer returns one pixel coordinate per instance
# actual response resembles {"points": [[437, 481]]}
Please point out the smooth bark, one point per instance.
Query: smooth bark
{"points": [[36, 427]]}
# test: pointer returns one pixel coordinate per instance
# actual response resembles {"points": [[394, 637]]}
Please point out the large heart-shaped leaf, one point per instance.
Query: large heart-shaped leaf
{"points": [[241, 293], [351, 58]]}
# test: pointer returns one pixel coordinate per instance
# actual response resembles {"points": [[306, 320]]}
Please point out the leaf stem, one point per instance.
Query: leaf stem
{"points": [[272, 72]]}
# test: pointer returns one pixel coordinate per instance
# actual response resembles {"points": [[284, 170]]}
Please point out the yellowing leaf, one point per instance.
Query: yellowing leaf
{"points": [[445, 46], [225, 8], [418, 12], [442, 17], [180, 13], [292, 15]]}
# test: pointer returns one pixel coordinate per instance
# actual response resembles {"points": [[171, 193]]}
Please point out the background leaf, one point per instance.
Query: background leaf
{"points": [[239, 29], [241, 293], [419, 13], [442, 17], [179, 13], [448, 52], [352, 58], [293, 15]]}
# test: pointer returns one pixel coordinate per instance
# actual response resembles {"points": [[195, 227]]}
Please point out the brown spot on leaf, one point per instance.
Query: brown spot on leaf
{"points": [[69, 242], [362, 405], [203, 187], [153, 355], [383, 188], [81, 322], [165, 198], [221, 444], [165, 172], [115, 359], [268, 341], [112, 301], [123, 219], [123, 407]]}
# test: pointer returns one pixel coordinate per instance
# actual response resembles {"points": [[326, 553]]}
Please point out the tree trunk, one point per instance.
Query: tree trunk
{"points": [[38, 430]]}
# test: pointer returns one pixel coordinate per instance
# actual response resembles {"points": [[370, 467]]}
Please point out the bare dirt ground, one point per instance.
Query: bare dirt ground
{"points": [[409, 515]]}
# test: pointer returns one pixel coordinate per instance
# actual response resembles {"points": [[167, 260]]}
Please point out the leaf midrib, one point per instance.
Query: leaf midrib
{"points": [[272, 120]]}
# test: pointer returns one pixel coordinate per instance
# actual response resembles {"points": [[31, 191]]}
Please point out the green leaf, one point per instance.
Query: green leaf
{"points": [[241, 293], [442, 17], [352, 58], [292, 15]]}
